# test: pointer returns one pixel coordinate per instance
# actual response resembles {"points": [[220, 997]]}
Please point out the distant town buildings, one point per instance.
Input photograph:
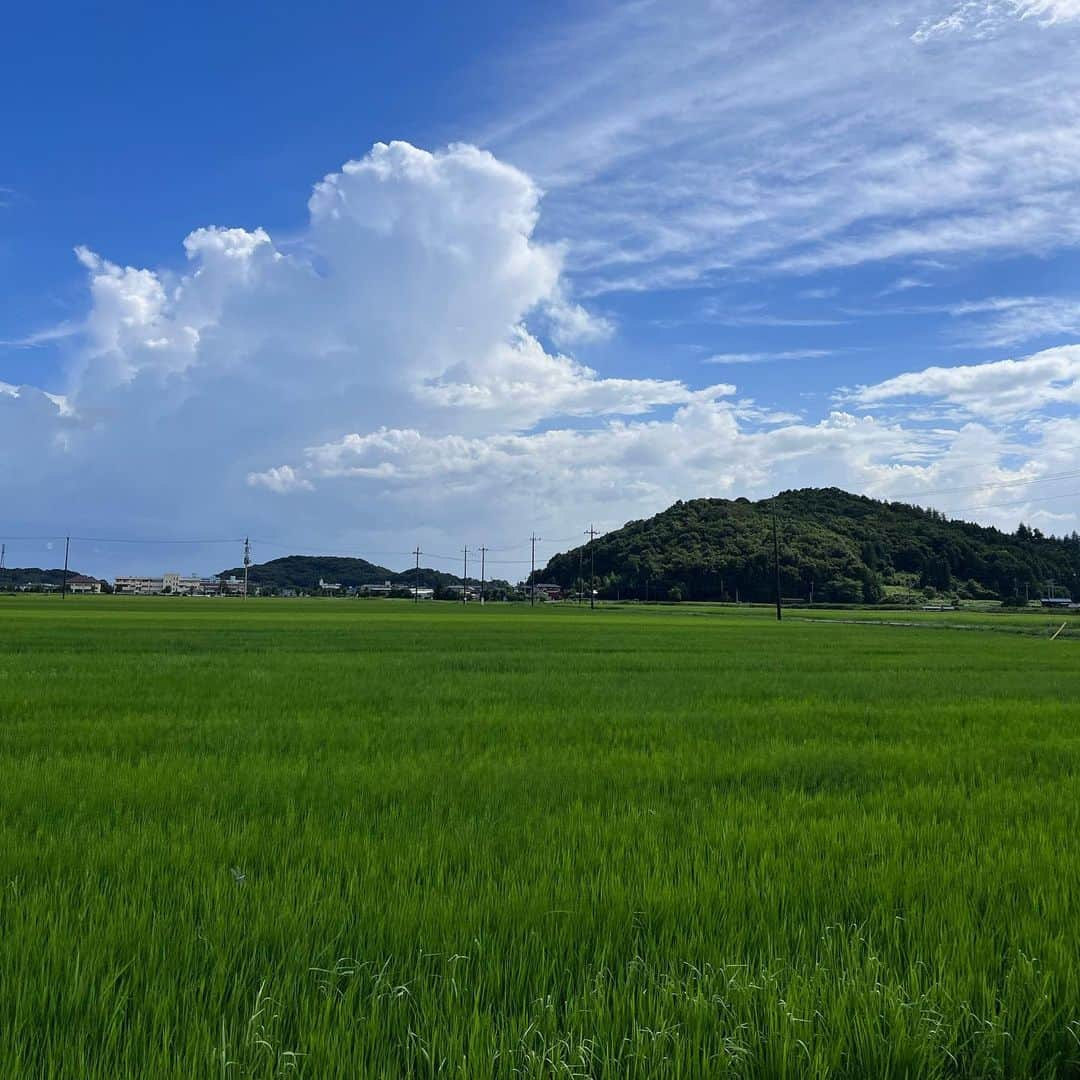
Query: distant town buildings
{"points": [[453, 592], [173, 584], [388, 588]]}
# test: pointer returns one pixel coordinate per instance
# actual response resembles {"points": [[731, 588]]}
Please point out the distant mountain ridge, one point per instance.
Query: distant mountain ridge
{"points": [[838, 546], [303, 572], [15, 576]]}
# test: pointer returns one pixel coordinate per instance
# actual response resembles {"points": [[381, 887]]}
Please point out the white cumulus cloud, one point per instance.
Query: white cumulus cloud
{"points": [[999, 389], [379, 381]]}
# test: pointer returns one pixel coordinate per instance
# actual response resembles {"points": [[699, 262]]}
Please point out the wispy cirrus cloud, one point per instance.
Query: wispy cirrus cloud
{"points": [[1002, 322], [995, 321], [986, 18], [904, 284], [37, 339], [767, 357], [683, 141]]}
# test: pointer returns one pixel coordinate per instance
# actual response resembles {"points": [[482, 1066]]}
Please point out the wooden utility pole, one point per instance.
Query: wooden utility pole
{"points": [[483, 558], [532, 576], [776, 560], [465, 580], [591, 534], [416, 579], [67, 549]]}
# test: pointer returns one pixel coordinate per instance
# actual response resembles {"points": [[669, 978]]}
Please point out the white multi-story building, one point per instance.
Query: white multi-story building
{"points": [[176, 585], [78, 583], [130, 583]]}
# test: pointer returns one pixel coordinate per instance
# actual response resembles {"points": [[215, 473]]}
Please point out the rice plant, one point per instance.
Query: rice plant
{"points": [[338, 839]]}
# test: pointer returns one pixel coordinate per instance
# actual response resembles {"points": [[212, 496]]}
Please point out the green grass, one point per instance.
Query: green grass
{"points": [[348, 839]]}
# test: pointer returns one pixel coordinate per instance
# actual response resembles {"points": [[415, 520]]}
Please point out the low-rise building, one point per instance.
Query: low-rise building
{"points": [[173, 584], [79, 583], [371, 589], [135, 583], [453, 592]]}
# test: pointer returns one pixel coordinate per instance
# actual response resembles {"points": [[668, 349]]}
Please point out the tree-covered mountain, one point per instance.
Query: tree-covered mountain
{"points": [[15, 577], [845, 548], [303, 572]]}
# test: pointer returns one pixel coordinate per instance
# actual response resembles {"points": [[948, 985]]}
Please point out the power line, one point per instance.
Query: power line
{"points": [[981, 487], [139, 540], [444, 558], [119, 540], [1019, 502]]}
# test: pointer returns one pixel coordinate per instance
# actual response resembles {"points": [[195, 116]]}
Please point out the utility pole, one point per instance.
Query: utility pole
{"points": [[416, 582], [532, 576], [580, 580], [465, 580], [483, 557], [776, 559], [591, 534], [67, 549], [247, 563]]}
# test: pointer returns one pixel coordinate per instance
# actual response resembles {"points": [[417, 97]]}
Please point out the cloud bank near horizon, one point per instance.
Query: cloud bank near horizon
{"points": [[398, 371]]}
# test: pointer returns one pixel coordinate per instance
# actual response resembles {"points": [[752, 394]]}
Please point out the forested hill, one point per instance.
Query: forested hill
{"points": [[847, 547], [302, 573], [16, 577]]}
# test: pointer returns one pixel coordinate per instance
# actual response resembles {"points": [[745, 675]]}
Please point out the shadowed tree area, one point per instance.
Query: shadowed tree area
{"points": [[834, 547]]}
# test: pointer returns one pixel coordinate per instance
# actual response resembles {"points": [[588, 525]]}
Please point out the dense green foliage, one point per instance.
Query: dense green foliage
{"points": [[13, 577], [841, 548], [301, 573], [381, 840]]}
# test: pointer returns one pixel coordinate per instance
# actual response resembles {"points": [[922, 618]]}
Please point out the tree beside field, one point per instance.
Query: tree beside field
{"points": [[839, 547]]}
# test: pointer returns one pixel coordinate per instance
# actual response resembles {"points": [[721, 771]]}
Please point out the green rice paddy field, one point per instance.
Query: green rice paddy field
{"points": [[353, 839]]}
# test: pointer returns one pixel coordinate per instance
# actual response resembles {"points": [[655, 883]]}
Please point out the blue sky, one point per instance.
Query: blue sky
{"points": [[588, 259]]}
